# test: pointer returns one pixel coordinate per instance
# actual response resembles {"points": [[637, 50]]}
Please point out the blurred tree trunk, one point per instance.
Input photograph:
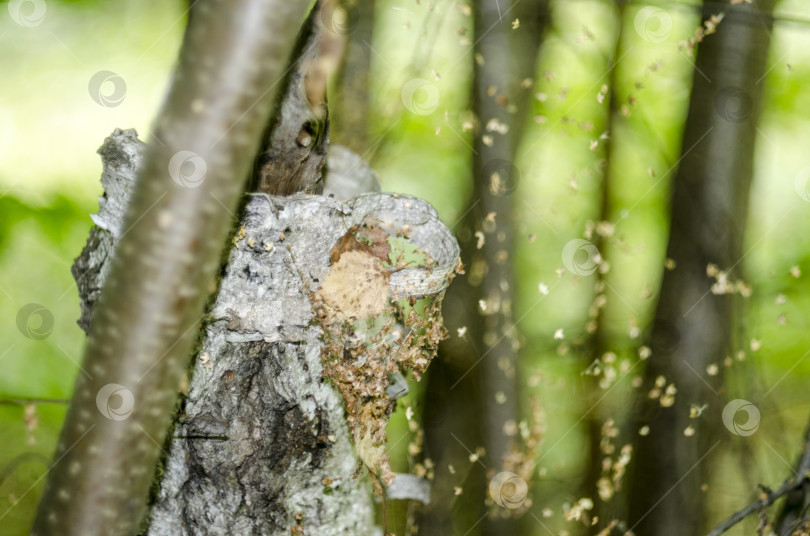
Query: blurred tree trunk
{"points": [[471, 398], [599, 345], [349, 103], [693, 323]]}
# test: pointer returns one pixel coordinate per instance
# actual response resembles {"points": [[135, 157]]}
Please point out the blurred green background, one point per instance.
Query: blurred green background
{"points": [[50, 128]]}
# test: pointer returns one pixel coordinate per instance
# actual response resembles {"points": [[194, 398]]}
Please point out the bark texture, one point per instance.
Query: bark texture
{"points": [[261, 445], [175, 227], [694, 315]]}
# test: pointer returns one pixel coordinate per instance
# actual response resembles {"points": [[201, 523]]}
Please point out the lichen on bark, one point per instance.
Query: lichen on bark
{"points": [[371, 337]]}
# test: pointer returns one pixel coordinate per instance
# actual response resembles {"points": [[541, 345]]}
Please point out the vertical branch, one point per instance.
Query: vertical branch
{"points": [[168, 254], [693, 320], [497, 338]]}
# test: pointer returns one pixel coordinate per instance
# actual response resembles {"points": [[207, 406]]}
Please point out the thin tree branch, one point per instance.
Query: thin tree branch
{"points": [[758, 505], [796, 501]]}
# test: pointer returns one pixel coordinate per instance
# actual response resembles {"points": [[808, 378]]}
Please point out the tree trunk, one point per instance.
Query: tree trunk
{"points": [[693, 324], [262, 445], [471, 400]]}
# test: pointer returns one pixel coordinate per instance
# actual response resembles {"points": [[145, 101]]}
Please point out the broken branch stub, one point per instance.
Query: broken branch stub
{"points": [[262, 442]]}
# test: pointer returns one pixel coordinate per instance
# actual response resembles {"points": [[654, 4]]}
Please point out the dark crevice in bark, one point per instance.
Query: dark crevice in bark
{"points": [[296, 138]]}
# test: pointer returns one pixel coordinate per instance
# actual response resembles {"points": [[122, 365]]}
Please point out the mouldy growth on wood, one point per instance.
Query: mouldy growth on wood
{"points": [[370, 337]]}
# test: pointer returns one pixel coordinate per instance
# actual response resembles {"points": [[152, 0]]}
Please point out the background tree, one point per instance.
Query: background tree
{"points": [[694, 320], [480, 370]]}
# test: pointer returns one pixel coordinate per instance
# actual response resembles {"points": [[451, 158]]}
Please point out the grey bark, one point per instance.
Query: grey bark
{"points": [[262, 438]]}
